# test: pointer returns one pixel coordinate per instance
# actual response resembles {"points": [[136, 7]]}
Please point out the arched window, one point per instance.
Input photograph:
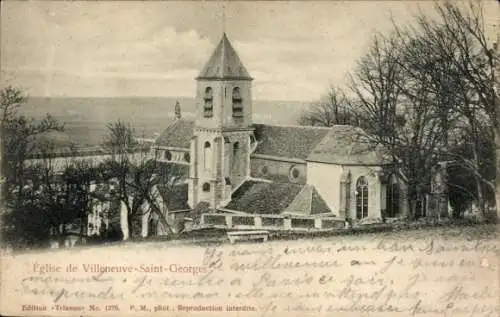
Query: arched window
{"points": [[237, 103], [208, 103], [236, 148], [361, 198], [392, 197], [236, 155], [207, 156], [206, 187]]}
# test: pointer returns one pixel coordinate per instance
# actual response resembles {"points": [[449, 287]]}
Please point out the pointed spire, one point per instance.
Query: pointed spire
{"points": [[224, 63], [177, 110]]}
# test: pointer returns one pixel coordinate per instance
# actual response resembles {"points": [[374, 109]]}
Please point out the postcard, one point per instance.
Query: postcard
{"points": [[253, 158]]}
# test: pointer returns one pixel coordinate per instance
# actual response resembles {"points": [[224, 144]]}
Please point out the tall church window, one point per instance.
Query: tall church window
{"points": [[208, 103], [237, 103], [392, 197], [236, 154], [361, 198], [207, 156]]}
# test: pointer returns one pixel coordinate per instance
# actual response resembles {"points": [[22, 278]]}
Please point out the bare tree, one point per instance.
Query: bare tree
{"points": [[426, 92], [463, 78], [396, 111], [377, 85], [137, 174], [333, 108], [120, 139]]}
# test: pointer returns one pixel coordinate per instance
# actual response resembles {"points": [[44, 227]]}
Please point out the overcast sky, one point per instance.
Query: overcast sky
{"points": [[294, 50]]}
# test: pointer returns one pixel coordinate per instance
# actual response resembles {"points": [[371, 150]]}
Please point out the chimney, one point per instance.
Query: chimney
{"points": [[177, 110]]}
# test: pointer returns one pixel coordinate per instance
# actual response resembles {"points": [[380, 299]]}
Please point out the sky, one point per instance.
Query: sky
{"points": [[294, 50]]}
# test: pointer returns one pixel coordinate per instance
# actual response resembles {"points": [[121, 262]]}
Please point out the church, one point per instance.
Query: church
{"points": [[266, 174]]}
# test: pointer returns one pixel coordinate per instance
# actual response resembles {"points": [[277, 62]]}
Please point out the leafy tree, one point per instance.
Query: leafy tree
{"points": [[17, 133], [23, 222]]}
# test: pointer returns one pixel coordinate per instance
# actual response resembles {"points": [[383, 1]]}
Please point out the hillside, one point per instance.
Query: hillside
{"points": [[86, 118]]}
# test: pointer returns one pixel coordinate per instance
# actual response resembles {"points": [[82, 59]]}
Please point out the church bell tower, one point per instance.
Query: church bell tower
{"points": [[220, 147]]}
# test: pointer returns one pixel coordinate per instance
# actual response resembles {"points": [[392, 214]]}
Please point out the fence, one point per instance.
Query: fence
{"points": [[272, 222]]}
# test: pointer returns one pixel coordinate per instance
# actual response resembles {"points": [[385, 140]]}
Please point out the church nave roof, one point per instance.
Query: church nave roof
{"points": [[340, 144]]}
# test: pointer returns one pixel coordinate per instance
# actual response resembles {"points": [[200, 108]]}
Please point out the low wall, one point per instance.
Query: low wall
{"points": [[271, 222]]}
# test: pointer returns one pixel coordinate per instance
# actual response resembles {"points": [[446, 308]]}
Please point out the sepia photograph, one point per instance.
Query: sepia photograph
{"points": [[250, 158]]}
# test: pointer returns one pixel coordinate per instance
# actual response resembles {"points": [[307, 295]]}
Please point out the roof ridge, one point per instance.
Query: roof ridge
{"points": [[309, 126], [294, 126], [222, 55], [256, 179], [174, 123]]}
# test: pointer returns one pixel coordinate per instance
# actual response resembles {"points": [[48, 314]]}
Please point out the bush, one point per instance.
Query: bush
{"points": [[26, 228]]}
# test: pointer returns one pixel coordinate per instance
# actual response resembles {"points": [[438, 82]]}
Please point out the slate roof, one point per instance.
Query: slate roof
{"points": [[308, 202], [175, 197], [318, 205], [263, 197], [288, 141], [339, 144], [178, 134], [351, 146], [224, 63]]}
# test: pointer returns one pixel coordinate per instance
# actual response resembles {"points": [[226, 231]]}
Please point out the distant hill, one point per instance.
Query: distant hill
{"points": [[86, 118]]}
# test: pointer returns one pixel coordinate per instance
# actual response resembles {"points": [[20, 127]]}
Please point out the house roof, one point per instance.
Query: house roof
{"points": [[175, 197], [224, 63], [178, 134], [288, 141], [348, 145], [263, 197]]}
